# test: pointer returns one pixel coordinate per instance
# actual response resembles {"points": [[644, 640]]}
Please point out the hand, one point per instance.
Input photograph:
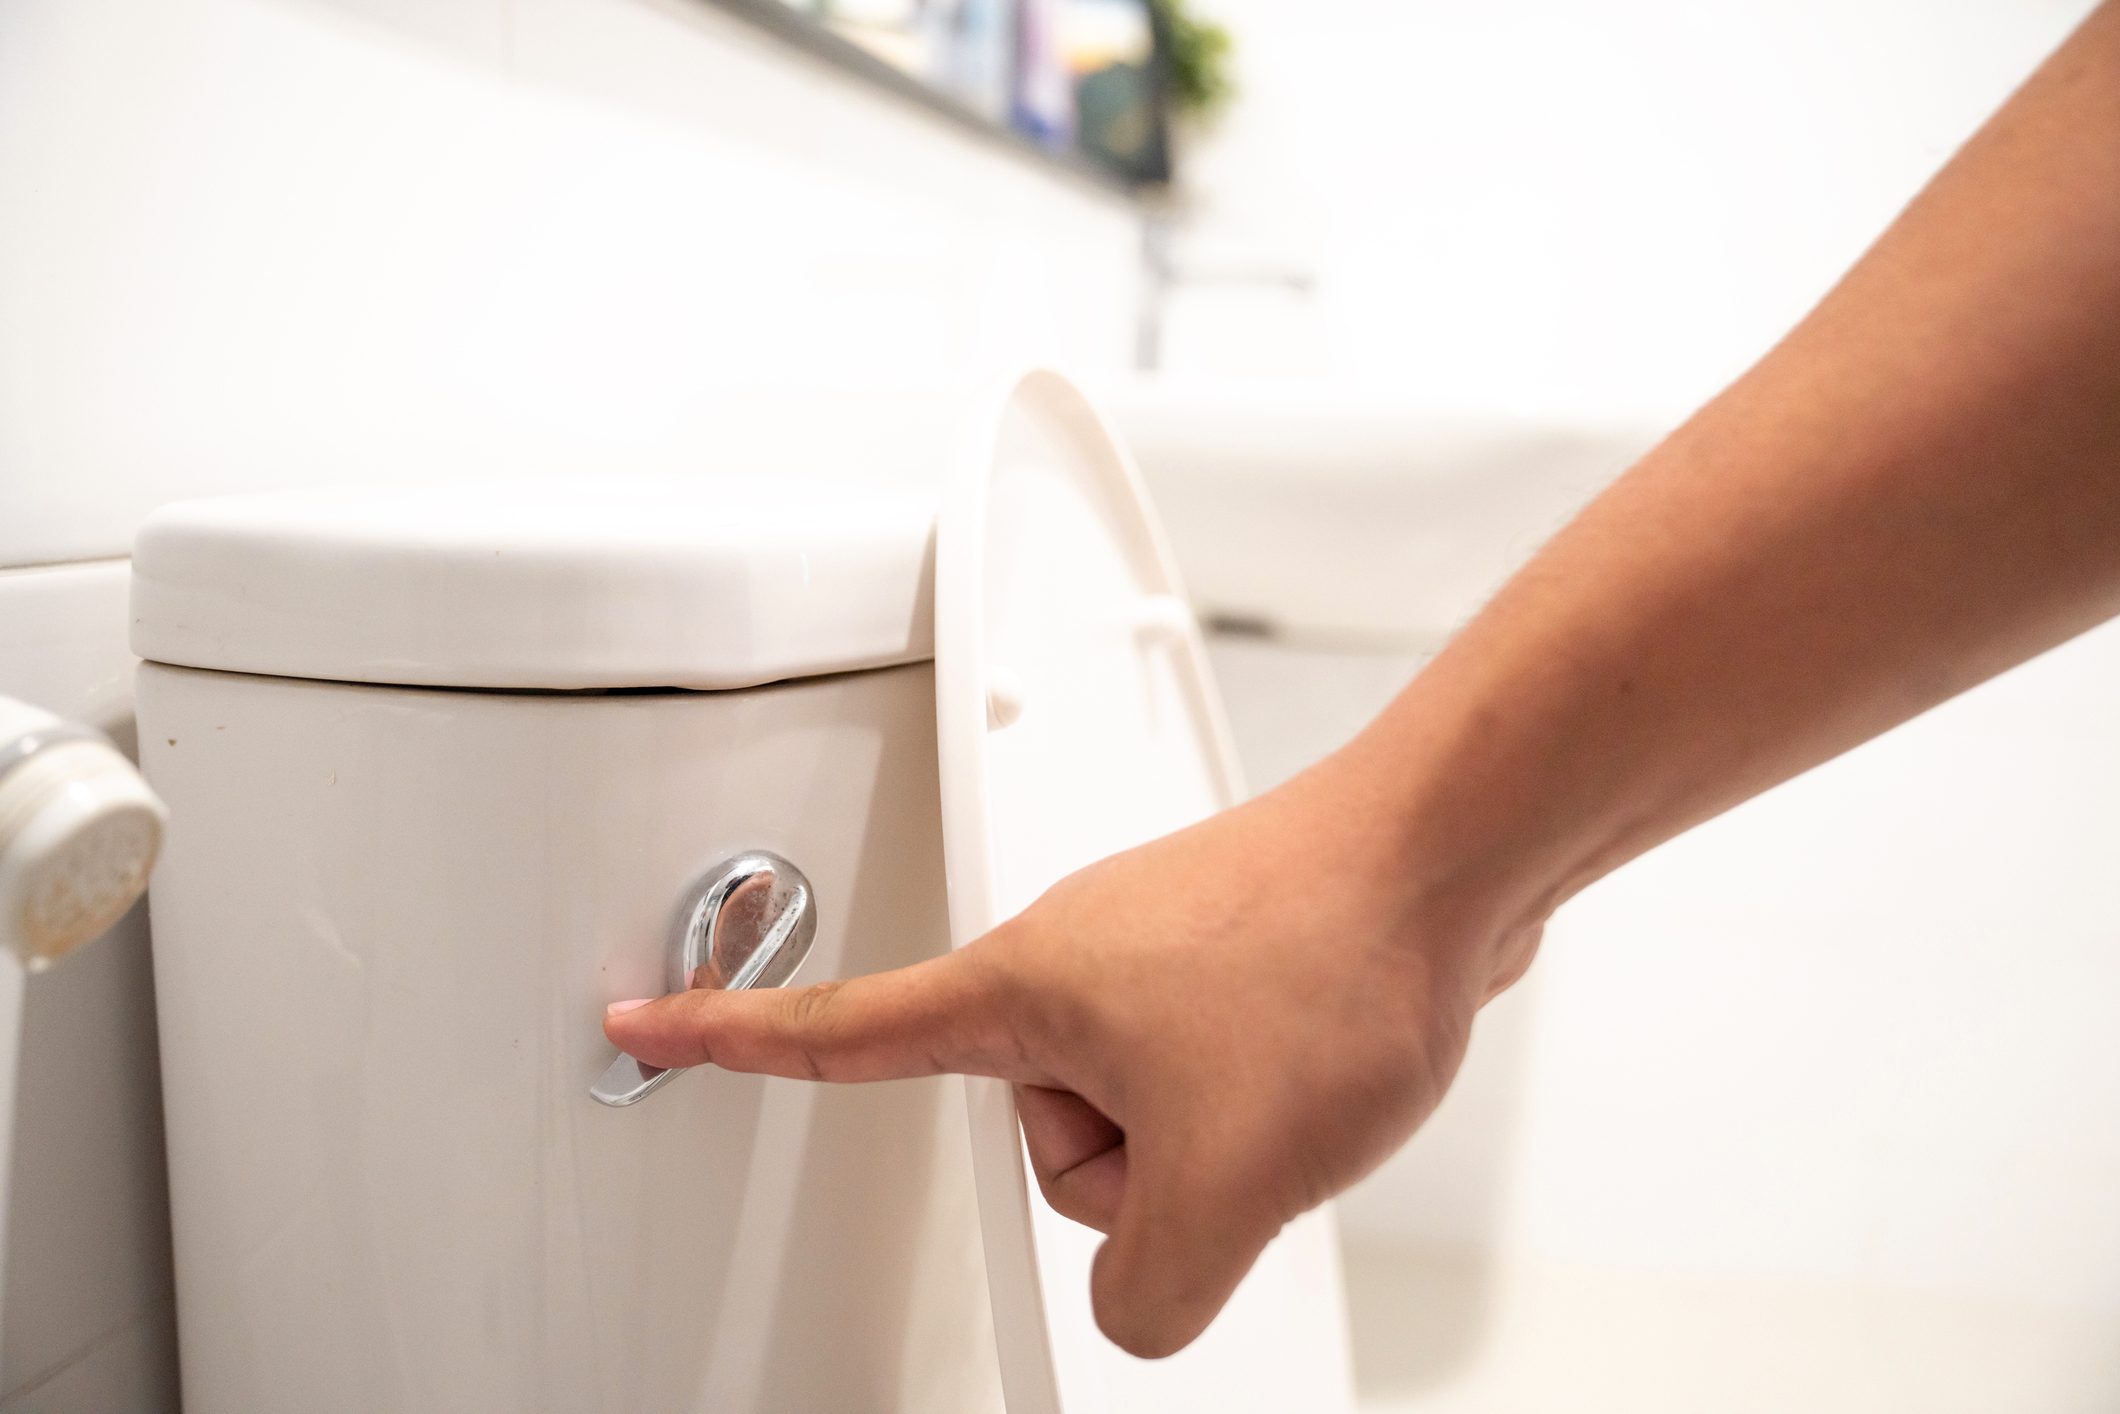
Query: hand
{"points": [[1209, 1035]]}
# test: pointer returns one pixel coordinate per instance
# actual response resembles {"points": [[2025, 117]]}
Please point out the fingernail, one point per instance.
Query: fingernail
{"points": [[616, 1007]]}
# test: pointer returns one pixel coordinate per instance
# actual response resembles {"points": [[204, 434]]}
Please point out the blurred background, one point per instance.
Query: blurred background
{"points": [[1816, 1109]]}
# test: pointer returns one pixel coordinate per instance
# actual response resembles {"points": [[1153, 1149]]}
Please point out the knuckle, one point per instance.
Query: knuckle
{"points": [[1003, 1002], [989, 965], [1057, 1196], [1135, 1328], [812, 1007], [1005, 971], [812, 1015]]}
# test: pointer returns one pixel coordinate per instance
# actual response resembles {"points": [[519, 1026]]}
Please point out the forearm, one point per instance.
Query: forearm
{"points": [[1919, 488]]}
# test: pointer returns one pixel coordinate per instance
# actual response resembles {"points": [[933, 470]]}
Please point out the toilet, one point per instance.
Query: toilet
{"points": [[450, 768]]}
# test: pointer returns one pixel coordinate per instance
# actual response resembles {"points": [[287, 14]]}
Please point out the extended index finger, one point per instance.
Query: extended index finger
{"points": [[943, 1015]]}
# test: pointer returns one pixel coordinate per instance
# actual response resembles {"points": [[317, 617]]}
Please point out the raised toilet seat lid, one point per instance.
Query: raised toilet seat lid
{"points": [[1077, 717]]}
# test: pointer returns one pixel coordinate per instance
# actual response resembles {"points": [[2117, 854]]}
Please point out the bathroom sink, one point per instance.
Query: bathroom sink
{"points": [[1345, 514]]}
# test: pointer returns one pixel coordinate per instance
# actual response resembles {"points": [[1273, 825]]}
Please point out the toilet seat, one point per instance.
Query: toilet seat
{"points": [[1076, 717]]}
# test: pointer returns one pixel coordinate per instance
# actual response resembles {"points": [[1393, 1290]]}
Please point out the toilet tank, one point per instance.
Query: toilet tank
{"points": [[441, 769]]}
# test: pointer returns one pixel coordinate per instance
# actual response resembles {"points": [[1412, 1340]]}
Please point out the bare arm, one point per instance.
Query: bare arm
{"points": [[1917, 489]]}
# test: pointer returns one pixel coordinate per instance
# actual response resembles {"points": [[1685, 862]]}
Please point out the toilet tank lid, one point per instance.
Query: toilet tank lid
{"points": [[719, 582]]}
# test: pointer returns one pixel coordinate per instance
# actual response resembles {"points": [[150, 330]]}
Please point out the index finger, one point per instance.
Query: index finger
{"points": [[932, 1018]]}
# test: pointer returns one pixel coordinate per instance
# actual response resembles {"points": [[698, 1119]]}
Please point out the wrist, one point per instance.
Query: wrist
{"points": [[1455, 879], [1478, 820]]}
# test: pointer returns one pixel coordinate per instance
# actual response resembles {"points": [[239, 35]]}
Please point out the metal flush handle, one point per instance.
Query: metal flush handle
{"points": [[749, 923]]}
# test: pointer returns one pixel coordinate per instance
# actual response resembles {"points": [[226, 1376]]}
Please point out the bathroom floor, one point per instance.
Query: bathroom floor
{"points": [[1443, 1332]]}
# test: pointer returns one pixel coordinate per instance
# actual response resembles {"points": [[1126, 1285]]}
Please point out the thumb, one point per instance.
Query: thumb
{"points": [[1187, 1232], [936, 1016]]}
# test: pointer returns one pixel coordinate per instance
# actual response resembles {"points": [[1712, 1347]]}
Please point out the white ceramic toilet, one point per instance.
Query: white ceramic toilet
{"points": [[449, 770]]}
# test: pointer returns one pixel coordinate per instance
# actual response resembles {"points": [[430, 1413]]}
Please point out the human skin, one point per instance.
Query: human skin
{"points": [[1918, 488]]}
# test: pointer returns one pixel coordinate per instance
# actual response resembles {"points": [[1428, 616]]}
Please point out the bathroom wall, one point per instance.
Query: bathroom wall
{"points": [[266, 242], [1579, 210], [251, 241]]}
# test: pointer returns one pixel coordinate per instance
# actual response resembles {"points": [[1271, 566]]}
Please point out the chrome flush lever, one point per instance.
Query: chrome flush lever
{"points": [[748, 923]]}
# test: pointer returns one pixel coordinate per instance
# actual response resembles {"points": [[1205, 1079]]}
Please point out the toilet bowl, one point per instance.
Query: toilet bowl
{"points": [[449, 770]]}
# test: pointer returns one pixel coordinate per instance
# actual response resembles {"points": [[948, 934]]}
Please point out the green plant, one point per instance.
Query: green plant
{"points": [[1195, 58]]}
